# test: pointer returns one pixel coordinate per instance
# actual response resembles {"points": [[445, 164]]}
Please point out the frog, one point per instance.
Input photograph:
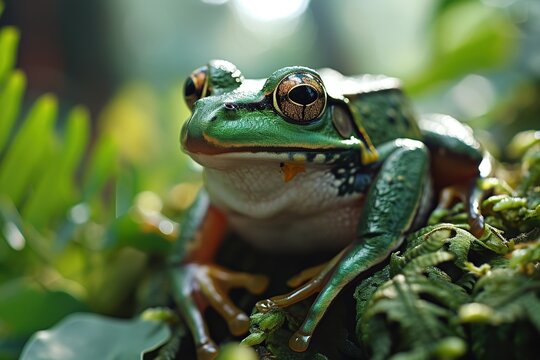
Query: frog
{"points": [[304, 161]]}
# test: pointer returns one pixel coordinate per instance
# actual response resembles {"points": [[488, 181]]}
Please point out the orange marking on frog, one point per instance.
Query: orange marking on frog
{"points": [[291, 169], [209, 237]]}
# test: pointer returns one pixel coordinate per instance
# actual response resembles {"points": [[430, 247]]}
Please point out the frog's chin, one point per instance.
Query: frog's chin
{"points": [[249, 159]]}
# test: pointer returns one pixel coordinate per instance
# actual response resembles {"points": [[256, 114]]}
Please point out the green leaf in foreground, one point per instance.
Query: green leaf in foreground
{"points": [[89, 336]]}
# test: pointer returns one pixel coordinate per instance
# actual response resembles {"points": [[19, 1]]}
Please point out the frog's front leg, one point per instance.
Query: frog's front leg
{"points": [[198, 283], [389, 210]]}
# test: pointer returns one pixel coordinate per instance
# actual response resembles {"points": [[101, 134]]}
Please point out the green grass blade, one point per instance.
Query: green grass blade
{"points": [[9, 39], [10, 103], [28, 149]]}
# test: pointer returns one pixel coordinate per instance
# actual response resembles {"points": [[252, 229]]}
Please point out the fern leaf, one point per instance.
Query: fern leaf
{"points": [[531, 304], [419, 263], [444, 292], [459, 245], [381, 343], [364, 292], [432, 242]]}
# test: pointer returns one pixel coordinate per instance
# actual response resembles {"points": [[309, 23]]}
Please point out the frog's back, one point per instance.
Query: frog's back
{"points": [[377, 103]]}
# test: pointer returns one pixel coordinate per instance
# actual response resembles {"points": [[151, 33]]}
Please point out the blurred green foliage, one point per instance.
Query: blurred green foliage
{"points": [[81, 202]]}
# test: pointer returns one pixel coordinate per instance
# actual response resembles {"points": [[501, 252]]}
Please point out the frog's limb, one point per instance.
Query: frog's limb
{"points": [[473, 201], [471, 195], [391, 204], [307, 283], [197, 286], [197, 283], [457, 161]]}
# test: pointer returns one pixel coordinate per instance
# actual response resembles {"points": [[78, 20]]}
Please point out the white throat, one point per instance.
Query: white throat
{"points": [[304, 213]]}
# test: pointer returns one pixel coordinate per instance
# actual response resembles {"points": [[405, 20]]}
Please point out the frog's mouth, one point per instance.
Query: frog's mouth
{"points": [[285, 158], [222, 145]]}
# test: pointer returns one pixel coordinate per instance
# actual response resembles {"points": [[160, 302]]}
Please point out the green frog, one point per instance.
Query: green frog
{"points": [[306, 161]]}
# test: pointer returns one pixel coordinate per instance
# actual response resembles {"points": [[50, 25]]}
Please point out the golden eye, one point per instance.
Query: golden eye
{"points": [[300, 97], [196, 86]]}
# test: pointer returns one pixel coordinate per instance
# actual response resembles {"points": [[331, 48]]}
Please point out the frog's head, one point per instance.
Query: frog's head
{"points": [[289, 117]]}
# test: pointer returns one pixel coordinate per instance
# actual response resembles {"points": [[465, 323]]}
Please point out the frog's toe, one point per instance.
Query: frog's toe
{"points": [[471, 196], [306, 275], [257, 284], [207, 351], [307, 283], [215, 293], [198, 286], [254, 283], [239, 325], [299, 342]]}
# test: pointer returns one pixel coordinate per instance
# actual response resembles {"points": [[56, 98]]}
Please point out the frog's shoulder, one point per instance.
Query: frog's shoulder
{"points": [[339, 85]]}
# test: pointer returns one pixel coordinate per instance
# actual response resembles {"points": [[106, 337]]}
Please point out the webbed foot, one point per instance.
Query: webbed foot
{"points": [[197, 286]]}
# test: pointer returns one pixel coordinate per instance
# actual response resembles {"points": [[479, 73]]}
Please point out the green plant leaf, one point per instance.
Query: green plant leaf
{"points": [[9, 39], [10, 102], [89, 336], [102, 167], [25, 307], [28, 149], [55, 190]]}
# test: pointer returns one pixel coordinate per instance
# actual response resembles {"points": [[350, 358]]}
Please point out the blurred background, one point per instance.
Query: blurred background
{"points": [[462, 57], [72, 234]]}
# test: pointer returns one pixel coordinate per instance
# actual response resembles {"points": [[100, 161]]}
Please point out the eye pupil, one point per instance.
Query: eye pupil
{"points": [[189, 87], [300, 97], [303, 95]]}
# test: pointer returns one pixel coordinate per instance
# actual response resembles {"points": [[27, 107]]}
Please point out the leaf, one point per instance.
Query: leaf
{"points": [[531, 304], [365, 291], [88, 336], [27, 149], [25, 307], [10, 102], [467, 36], [55, 190], [101, 168], [12, 237], [430, 243], [9, 39], [459, 245], [421, 262]]}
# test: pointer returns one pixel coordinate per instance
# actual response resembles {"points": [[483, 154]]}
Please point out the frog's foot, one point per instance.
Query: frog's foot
{"points": [[197, 286], [471, 196], [308, 282]]}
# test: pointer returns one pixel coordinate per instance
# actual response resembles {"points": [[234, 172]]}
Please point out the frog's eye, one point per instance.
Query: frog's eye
{"points": [[300, 97], [196, 86]]}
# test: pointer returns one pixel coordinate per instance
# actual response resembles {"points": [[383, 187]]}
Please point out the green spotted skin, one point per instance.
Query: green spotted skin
{"points": [[386, 115]]}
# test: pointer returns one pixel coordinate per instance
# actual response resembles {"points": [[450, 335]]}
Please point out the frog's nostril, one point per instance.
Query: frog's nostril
{"points": [[230, 106]]}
